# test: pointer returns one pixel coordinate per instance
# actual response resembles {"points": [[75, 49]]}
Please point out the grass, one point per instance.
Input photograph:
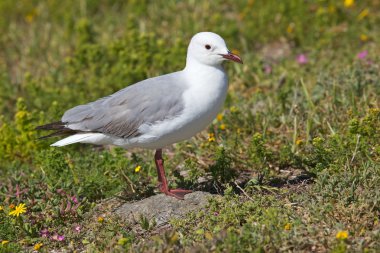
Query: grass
{"points": [[294, 154]]}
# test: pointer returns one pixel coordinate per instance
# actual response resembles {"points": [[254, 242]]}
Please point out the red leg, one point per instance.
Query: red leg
{"points": [[177, 193]]}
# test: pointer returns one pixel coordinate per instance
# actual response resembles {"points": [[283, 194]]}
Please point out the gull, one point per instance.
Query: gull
{"points": [[158, 111]]}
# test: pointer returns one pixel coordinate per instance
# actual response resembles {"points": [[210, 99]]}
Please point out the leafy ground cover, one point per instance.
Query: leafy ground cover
{"points": [[301, 125]]}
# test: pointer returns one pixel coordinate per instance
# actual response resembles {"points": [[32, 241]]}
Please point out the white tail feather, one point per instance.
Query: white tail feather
{"points": [[72, 139]]}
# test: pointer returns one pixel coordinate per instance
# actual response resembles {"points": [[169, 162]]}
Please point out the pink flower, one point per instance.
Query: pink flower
{"points": [[57, 237], [267, 69], [302, 59], [362, 54], [60, 191], [44, 232], [74, 199], [77, 228]]}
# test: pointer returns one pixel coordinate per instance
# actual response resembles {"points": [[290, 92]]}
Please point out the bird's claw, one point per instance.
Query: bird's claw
{"points": [[177, 193]]}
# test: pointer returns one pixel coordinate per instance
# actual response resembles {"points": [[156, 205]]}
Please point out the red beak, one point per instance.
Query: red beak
{"points": [[232, 57]]}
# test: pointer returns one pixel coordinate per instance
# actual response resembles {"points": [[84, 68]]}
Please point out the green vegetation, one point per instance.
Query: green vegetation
{"points": [[294, 154]]}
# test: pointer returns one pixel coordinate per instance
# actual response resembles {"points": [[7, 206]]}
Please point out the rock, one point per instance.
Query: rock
{"points": [[162, 208]]}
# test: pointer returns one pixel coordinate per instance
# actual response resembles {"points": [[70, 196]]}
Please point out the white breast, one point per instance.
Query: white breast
{"points": [[203, 100]]}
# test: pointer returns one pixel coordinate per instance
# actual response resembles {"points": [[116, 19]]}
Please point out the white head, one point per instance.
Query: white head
{"points": [[210, 49]]}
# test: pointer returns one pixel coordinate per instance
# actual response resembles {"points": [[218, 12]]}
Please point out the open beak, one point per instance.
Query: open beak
{"points": [[232, 57]]}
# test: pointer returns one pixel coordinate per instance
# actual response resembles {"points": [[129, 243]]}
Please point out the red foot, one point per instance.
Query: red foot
{"points": [[177, 193]]}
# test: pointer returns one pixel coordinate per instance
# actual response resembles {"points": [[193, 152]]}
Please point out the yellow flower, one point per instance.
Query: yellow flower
{"points": [[38, 246], [100, 219], [18, 210], [219, 117], [363, 37], [1, 208], [137, 169], [342, 235], [290, 28], [349, 3], [288, 226], [364, 13], [222, 127], [235, 51], [299, 142], [211, 137], [30, 16], [4, 242]]}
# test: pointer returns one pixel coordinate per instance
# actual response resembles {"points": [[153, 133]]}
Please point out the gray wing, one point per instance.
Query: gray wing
{"points": [[122, 113]]}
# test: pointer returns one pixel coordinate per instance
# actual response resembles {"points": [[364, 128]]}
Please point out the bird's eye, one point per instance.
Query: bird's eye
{"points": [[208, 47]]}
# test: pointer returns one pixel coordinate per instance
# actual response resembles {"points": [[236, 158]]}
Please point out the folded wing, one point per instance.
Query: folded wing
{"points": [[122, 113]]}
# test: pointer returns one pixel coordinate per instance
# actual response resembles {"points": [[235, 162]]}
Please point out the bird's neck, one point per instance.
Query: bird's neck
{"points": [[206, 78], [195, 68]]}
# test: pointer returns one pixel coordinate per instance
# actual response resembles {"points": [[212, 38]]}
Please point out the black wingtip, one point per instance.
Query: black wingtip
{"points": [[59, 128], [52, 126]]}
